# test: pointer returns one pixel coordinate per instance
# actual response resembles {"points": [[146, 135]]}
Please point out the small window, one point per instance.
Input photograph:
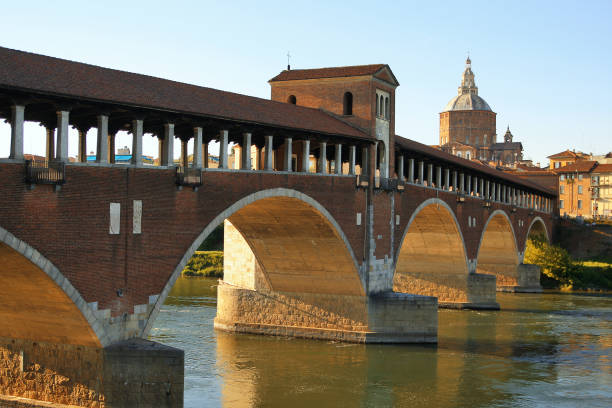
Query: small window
{"points": [[562, 177], [292, 100], [348, 104], [382, 106], [579, 189], [557, 165], [580, 177], [561, 189], [377, 110], [458, 154], [467, 139], [561, 204], [579, 204]]}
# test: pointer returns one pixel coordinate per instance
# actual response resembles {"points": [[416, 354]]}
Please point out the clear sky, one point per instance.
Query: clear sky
{"points": [[545, 67]]}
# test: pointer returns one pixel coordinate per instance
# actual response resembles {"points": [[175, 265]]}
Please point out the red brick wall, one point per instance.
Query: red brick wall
{"points": [[456, 125], [70, 227]]}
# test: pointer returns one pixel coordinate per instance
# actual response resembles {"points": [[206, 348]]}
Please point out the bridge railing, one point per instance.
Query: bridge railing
{"points": [[188, 176], [45, 172]]}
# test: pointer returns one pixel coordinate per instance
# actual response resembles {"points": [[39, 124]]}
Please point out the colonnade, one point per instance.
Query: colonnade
{"points": [[464, 184]]}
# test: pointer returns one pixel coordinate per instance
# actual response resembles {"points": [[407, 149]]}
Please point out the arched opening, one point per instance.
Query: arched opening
{"points": [[34, 306], [287, 252], [431, 259], [292, 99], [377, 107], [380, 159], [497, 254], [537, 230], [387, 110], [347, 104], [382, 107]]}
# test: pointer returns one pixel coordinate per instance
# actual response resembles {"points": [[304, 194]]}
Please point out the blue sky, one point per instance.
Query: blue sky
{"points": [[545, 67]]}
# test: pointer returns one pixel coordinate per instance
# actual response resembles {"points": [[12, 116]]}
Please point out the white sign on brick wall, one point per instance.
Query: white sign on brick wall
{"points": [[115, 218], [137, 222]]}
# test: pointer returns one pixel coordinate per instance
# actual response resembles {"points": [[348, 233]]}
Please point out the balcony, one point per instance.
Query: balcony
{"points": [[188, 177], [45, 172]]}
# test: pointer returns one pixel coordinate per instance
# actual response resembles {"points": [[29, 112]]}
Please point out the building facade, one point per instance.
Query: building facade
{"points": [[468, 127], [566, 158], [601, 191], [575, 189]]}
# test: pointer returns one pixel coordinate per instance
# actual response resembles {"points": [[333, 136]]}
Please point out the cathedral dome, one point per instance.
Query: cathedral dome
{"points": [[467, 98], [467, 101]]}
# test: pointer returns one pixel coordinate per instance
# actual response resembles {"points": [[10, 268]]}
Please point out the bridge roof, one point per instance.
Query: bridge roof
{"points": [[429, 151], [35, 73]]}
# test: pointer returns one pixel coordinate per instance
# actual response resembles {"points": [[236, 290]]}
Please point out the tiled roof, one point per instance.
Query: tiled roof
{"points": [[507, 146], [469, 164], [335, 72], [603, 168], [53, 76], [582, 166], [567, 153]]}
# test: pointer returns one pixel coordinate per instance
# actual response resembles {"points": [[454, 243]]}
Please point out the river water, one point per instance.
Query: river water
{"points": [[540, 350]]}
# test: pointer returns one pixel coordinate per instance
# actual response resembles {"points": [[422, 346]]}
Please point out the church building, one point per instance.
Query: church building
{"points": [[468, 127]]}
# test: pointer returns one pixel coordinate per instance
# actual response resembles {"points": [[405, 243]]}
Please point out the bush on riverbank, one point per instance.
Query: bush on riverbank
{"points": [[560, 270], [205, 264]]}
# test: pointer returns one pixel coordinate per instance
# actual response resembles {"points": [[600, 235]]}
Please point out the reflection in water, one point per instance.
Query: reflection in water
{"points": [[539, 350]]}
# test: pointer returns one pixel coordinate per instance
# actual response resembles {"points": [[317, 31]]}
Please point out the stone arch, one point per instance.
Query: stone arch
{"points": [[39, 303], [278, 205], [432, 257], [498, 250], [347, 104], [537, 226], [292, 100]]}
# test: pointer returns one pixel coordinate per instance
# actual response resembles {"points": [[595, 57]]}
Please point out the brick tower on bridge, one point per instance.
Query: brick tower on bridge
{"points": [[363, 96]]}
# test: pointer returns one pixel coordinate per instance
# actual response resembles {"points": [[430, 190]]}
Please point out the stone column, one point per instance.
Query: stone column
{"points": [[469, 185], [167, 156], [454, 181], [322, 158], [481, 188], [17, 119], [82, 152], [50, 153], [365, 161], [411, 171], [288, 154], [306, 156], [338, 159], [352, 159], [246, 151], [197, 148], [421, 173], [205, 155], [462, 183], [504, 188], [61, 152], [447, 185], [137, 142], [258, 160], [223, 141], [488, 191], [400, 167], [268, 165], [102, 140], [110, 147], [439, 177], [476, 190], [429, 175], [184, 153]]}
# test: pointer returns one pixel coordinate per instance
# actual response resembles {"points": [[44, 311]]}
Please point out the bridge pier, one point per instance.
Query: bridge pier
{"points": [[131, 373], [247, 303], [525, 279]]}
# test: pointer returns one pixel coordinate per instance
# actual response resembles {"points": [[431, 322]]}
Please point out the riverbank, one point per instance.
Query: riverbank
{"points": [[205, 264]]}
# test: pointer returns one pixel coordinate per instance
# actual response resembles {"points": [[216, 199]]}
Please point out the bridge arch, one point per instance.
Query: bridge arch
{"points": [[39, 303], [536, 227], [432, 257], [498, 249], [283, 209]]}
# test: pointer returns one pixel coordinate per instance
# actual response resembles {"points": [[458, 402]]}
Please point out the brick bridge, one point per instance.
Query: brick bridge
{"points": [[333, 228]]}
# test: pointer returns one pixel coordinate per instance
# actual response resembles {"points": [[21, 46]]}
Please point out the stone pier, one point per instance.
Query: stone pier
{"points": [[132, 373]]}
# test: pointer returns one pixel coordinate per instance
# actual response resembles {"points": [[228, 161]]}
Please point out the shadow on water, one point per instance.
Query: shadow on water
{"points": [[540, 350]]}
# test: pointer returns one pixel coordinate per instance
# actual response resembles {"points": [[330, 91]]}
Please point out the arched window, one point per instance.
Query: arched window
{"points": [[387, 111], [377, 110], [382, 107], [467, 139], [348, 103], [484, 140], [292, 100]]}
